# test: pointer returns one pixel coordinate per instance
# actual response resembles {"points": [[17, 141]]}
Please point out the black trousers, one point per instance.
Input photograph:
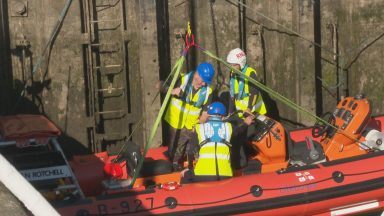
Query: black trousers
{"points": [[180, 144], [185, 146], [238, 151]]}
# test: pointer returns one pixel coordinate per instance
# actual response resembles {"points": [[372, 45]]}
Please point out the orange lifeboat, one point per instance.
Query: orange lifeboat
{"points": [[328, 169], [333, 168]]}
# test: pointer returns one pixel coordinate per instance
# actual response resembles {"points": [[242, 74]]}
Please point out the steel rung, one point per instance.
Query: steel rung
{"points": [[107, 66], [100, 44], [111, 73], [114, 136], [110, 111], [106, 47], [111, 89], [101, 21], [107, 3], [66, 187]]}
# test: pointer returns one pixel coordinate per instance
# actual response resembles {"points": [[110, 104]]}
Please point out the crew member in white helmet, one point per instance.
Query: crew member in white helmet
{"points": [[245, 98], [244, 95]]}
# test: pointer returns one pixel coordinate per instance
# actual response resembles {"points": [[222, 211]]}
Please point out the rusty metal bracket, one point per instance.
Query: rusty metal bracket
{"points": [[19, 8]]}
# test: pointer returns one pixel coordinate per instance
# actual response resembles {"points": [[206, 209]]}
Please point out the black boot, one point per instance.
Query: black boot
{"points": [[176, 167]]}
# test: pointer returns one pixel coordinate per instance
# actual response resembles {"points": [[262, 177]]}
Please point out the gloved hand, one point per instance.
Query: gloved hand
{"points": [[203, 117], [248, 112], [177, 91], [249, 120], [176, 167], [161, 87]]}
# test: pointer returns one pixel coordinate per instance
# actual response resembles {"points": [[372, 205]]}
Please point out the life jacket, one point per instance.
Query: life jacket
{"points": [[185, 112], [239, 89], [214, 155]]}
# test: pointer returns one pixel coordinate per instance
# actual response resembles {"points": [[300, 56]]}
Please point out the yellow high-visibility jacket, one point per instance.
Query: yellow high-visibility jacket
{"points": [[240, 91], [214, 155], [185, 112]]}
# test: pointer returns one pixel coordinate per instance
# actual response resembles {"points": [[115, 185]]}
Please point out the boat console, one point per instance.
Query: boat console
{"points": [[269, 143], [350, 117], [346, 134]]}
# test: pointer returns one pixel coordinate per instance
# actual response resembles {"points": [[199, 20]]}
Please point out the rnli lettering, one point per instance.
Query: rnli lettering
{"points": [[46, 173], [239, 55], [294, 188], [304, 176]]}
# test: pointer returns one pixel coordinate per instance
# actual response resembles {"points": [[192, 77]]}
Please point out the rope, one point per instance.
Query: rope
{"points": [[140, 122], [281, 98], [298, 35], [345, 66], [178, 65], [286, 28], [189, 42], [220, 78]]}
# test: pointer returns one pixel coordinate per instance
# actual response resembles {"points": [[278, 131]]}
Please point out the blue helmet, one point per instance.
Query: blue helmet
{"points": [[217, 108], [206, 72]]}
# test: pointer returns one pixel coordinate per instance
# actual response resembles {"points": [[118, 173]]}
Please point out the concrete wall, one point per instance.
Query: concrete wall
{"points": [[360, 32], [278, 37], [278, 49], [61, 86], [9, 204], [284, 61]]}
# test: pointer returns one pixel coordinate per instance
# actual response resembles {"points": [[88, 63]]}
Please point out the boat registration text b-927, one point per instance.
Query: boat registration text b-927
{"points": [[136, 205]]}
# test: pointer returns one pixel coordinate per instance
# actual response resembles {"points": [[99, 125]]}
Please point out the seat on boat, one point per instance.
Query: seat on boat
{"points": [[151, 167], [300, 153], [155, 167], [253, 167], [273, 148]]}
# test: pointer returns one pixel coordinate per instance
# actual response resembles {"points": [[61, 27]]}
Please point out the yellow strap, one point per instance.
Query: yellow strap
{"points": [[179, 64], [281, 98], [189, 31]]}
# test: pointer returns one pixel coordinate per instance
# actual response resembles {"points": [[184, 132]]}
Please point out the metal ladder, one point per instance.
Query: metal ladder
{"points": [[56, 169], [107, 74]]}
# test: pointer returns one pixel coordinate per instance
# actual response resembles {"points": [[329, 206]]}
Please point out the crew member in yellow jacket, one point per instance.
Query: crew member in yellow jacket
{"points": [[187, 108], [213, 138], [245, 98]]}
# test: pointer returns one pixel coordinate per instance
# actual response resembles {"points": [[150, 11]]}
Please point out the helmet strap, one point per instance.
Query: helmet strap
{"points": [[215, 117], [244, 68]]}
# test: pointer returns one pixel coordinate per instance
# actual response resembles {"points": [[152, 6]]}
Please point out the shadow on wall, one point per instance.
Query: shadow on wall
{"points": [[71, 146], [272, 110], [23, 105]]}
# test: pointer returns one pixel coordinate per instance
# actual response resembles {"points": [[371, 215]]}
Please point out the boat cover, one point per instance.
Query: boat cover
{"points": [[22, 128]]}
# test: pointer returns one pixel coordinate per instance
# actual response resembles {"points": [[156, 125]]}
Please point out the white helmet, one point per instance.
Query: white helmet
{"points": [[237, 56]]}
